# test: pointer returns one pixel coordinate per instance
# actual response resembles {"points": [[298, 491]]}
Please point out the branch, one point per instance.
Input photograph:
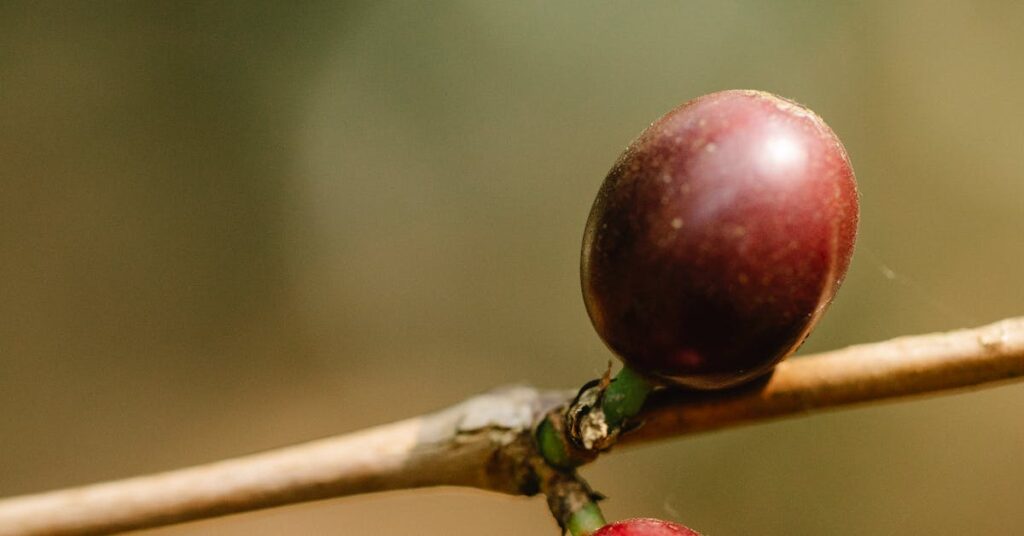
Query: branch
{"points": [[902, 367], [478, 443], [486, 442]]}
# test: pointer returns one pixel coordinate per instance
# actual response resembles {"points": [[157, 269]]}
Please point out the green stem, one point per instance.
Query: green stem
{"points": [[586, 520], [624, 397], [552, 447]]}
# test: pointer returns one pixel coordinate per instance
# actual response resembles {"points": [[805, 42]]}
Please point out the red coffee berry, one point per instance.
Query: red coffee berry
{"points": [[719, 238], [644, 527]]}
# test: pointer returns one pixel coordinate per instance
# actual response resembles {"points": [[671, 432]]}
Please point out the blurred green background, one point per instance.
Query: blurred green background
{"points": [[230, 226]]}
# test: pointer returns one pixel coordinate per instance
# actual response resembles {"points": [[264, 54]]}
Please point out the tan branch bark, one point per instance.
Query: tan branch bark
{"points": [[475, 444], [902, 367], [484, 442]]}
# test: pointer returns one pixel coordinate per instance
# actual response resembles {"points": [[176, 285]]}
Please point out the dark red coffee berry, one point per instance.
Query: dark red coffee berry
{"points": [[644, 527], [719, 238]]}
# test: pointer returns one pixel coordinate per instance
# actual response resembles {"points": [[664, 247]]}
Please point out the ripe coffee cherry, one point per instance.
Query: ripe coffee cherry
{"points": [[719, 238], [644, 527]]}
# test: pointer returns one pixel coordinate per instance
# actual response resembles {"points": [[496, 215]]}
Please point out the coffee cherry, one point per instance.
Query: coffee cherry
{"points": [[719, 238], [644, 527]]}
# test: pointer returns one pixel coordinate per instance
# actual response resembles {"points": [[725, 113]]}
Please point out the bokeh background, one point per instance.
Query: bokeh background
{"points": [[231, 226]]}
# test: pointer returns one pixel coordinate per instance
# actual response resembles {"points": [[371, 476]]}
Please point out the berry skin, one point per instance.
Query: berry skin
{"points": [[644, 527], [719, 238]]}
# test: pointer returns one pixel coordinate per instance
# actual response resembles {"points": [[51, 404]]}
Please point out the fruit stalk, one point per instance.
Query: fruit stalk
{"points": [[571, 501], [586, 521], [573, 436]]}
